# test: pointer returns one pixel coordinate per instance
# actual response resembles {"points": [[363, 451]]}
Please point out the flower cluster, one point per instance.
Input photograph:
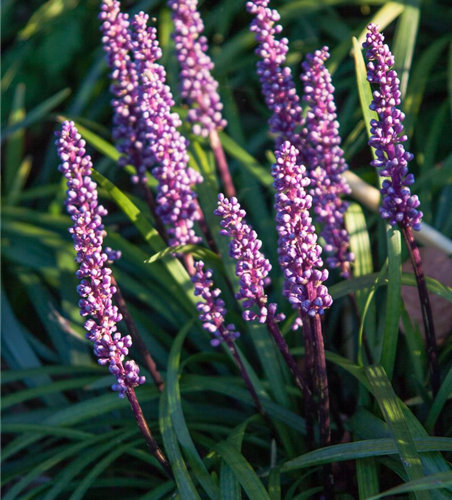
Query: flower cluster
{"points": [[399, 206], [277, 82], [252, 267], [96, 287], [212, 310], [324, 159], [166, 147], [116, 41], [299, 253], [198, 87]]}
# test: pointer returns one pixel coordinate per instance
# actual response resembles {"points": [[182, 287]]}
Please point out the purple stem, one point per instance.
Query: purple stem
{"points": [[313, 326], [149, 438], [222, 164], [429, 327], [311, 411], [291, 363], [135, 334], [246, 377], [149, 197]]}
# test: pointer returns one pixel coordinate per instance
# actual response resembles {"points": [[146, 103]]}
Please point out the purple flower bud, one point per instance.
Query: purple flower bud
{"points": [[276, 79], [324, 159], [88, 234], [252, 267], [212, 310], [398, 205], [198, 87], [299, 253], [165, 147]]}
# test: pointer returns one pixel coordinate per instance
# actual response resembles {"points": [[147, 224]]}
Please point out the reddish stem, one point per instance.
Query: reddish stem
{"points": [[138, 340], [288, 358], [311, 412], [246, 377], [314, 327], [222, 164], [150, 441], [149, 197], [426, 309]]}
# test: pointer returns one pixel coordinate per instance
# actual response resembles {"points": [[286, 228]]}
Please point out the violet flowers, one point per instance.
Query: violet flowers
{"points": [[95, 289], [399, 206], [198, 87], [299, 253], [116, 41], [252, 267], [212, 309], [324, 160], [176, 201], [277, 82]]}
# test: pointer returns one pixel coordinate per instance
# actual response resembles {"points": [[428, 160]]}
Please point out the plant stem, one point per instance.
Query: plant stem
{"points": [[246, 378], [150, 441], [426, 309], [290, 361], [206, 230], [311, 412], [314, 326], [149, 197], [222, 164], [135, 334]]}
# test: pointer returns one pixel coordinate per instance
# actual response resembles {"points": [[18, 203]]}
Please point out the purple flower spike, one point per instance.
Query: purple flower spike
{"points": [[165, 146], [277, 82], [95, 288], [212, 311], [116, 41], [399, 206], [198, 87], [299, 253], [324, 159], [252, 267]]}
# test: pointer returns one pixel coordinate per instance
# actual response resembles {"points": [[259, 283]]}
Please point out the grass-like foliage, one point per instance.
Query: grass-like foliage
{"points": [[285, 313]]}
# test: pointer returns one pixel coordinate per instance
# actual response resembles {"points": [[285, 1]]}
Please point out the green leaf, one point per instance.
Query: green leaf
{"points": [[199, 383], [364, 90], [184, 482], [362, 449], [274, 484], [393, 415], [101, 465], [405, 41], [352, 285], [19, 181], [59, 456], [433, 482], [14, 149], [419, 79], [77, 465], [37, 392], [393, 300], [178, 419], [243, 471], [444, 393], [196, 251], [38, 113], [367, 476], [370, 297]]}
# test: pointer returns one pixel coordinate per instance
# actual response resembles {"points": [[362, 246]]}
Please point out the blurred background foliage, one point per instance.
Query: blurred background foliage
{"points": [[65, 434]]}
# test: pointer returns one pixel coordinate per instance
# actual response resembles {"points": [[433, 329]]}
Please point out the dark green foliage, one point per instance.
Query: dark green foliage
{"points": [[65, 434]]}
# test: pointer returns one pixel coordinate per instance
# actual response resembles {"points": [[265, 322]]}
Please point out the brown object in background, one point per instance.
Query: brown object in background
{"points": [[436, 265]]}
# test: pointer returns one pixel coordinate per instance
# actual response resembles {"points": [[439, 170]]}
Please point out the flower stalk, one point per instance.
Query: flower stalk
{"points": [[399, 206], [97, 286], [135, 334]]}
